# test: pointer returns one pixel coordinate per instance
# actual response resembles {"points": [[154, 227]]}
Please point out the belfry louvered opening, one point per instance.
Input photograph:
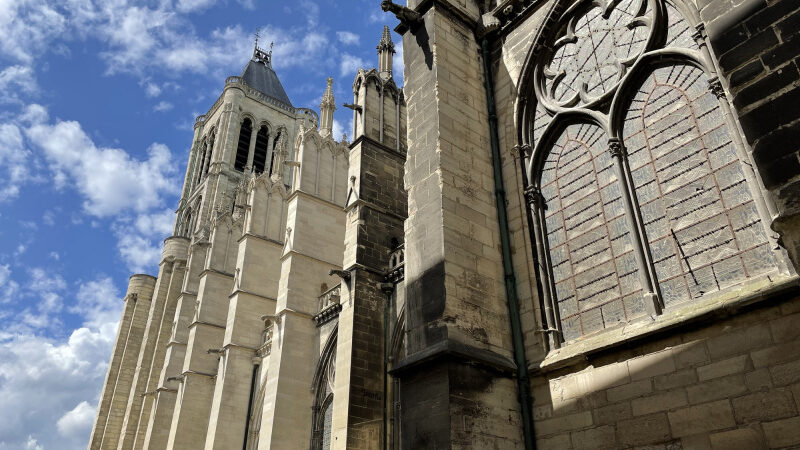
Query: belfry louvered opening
{"points": [[243, 146], [642, 194], [260, 151]]}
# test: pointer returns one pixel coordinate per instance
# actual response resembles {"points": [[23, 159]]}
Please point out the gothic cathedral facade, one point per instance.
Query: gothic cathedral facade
{"points": [[576, 225]]}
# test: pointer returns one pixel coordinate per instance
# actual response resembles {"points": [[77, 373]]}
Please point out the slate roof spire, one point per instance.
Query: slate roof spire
{"points": [[259, 74]]}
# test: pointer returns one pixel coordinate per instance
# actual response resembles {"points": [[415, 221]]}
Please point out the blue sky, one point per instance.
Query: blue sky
{"points": [[97, 102]]}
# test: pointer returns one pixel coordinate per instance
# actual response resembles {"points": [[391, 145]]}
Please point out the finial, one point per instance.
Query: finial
{"points": [[386, 41], [270, 48], [258, 34]]}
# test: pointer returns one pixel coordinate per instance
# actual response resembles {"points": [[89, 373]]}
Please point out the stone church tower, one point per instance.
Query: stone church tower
{"points": [[576, 226]]}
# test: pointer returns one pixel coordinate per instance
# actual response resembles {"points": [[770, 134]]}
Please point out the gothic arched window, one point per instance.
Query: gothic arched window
{"points": [[260, 152], [272, 154], [210, 153], [201, 158], [323, 384], [243, 146], [642, 194]]}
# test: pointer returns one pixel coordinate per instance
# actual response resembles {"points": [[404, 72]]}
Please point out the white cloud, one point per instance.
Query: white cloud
{"points": [[152, 89], [347, 37], [8, 287], [16, 80], [77, 423], [110, 180], [194, 5], [32, 444], [50, 385], [162, 106], [27, 27], [44, 389], [14, 161], [138, 252], [349, 64], [156, 224], [98, 302]]}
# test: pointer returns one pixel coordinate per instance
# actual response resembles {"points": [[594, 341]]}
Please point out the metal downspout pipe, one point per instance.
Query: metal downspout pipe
{"points": [[523, 383]]}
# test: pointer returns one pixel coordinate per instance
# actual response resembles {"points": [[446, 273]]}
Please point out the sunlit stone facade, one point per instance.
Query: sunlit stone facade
{"points": [[576, 225]]}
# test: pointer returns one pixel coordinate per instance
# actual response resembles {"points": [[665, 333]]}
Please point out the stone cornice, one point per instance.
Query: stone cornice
{"points": [[458, 351]]}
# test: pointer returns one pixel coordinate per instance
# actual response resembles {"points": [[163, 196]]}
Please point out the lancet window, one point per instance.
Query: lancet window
{"points": [[243, 146], [641, 192], [201, 158], [272, 154], [260, 152], [323, 384], [209, 153]]}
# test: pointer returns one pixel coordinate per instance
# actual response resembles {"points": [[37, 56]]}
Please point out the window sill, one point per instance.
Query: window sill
{"points": [[724, 304]]}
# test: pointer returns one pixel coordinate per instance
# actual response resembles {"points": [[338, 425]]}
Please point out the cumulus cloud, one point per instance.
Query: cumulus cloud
{"points": [[138, 252], [152, 90], [132, 192], [110, 179], [347, 38], [27, 27], [349, 64], [75, 423], [56, 389], [194, 5], [8, 286], [16, 80], [162, 106], [14, 158]]}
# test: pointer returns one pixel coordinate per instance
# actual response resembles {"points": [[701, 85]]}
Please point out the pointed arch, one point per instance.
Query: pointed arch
{"points": [[323, 388]]}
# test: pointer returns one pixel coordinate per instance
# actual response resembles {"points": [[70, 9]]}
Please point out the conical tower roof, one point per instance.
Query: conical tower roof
{"points": [[259, 75]]}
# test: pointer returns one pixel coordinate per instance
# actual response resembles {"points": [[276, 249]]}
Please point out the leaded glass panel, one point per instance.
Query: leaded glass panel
{"points": [[679, 32], [593, 49], [593, 265], [701, 222]]}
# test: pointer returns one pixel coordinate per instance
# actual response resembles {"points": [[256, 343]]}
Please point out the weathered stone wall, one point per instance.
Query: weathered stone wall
{"points": [[455, 300], [757, 43], [730, 383], [717, 383]]}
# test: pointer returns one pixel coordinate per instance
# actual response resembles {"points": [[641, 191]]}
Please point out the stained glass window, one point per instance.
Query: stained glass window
{"points": [[682, 222], [702, 226], [591, 252], [590, 55]]}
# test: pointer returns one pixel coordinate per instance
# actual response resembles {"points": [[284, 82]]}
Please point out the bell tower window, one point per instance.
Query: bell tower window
{"points": [[260, 153], [243, 146]]}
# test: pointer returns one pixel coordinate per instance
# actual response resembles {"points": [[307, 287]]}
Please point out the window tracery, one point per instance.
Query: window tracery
{"points": [[641, 197]]}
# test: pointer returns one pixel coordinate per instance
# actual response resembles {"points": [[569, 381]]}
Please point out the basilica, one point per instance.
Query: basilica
{"points": [[576, 225]]}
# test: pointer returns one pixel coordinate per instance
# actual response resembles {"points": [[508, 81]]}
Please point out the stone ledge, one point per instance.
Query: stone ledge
{"points": [[723, 305], [450, 349]]}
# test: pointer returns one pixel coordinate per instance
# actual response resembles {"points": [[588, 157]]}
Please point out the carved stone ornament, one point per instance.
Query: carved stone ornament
{"points": [[405, 15], [533, 196], [616, 148], [595, 44], [715, 86]]}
